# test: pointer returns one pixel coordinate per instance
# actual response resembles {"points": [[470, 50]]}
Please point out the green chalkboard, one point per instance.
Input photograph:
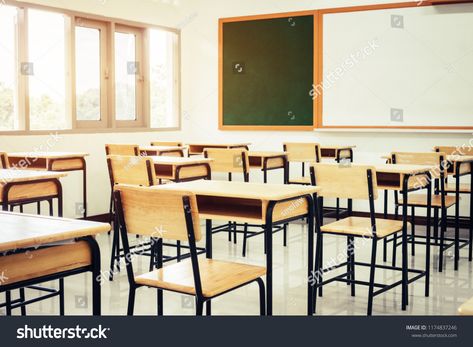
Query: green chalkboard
{"points": [[267, 72]]}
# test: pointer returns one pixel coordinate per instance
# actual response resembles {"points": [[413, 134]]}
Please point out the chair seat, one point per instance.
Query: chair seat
{"points": [[217, 276], [421, 200], [300, 180], [451, 188], [361, 226]]}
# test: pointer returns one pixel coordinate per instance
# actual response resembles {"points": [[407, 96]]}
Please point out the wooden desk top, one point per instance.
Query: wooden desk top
{"points": [[258, 191], [162, 148], [466, 309], [397, 168], [226, 144], [403, 169], [14, 175], [23, 230], [265, 154], [336, 147], [164, 160], [460, 158], [47, 155]]}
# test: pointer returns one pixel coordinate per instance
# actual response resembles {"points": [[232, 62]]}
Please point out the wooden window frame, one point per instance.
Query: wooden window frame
{"points": [[107, 123], [140, 109], [104, 73]]}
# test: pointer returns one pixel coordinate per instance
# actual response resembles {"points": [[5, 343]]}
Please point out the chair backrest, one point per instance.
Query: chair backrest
{"points": [[4, 163], [436, 159], [158, 213], [345, 182], [302, 152], [231, 160], [133, 170], [166, 143], [455, 150], [119, 149]]}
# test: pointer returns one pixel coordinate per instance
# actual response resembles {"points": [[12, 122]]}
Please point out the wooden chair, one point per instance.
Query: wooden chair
{"points": [[452, 150], [235, 161], [133, 170], [354, 182], [302, 153], [230, 161], [466, 309], [167, 143], [174, 215], [440, 202], [4, 163], [120, 149]]}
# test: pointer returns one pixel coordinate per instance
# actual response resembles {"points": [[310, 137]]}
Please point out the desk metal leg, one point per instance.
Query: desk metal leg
{"points": [[470, 247], [208, 238], [84, 188], [404, 244], [96, 278], [269, 257], [457, 218], [310, 255]]}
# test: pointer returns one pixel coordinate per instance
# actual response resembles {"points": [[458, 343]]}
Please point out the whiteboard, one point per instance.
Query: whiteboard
{"points": [[407, 67]]}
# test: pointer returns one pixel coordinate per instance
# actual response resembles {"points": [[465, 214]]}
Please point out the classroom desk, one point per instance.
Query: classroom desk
{"points": [[461, 166], [28, 186], [406, 178], [183, 169], [175, 151], [266, 161], [31, 252], [54, 161], [197, 148], [466, 309], [337, 152], [258, 203]]}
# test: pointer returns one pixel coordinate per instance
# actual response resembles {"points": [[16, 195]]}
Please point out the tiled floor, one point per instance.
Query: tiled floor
{"points": [[448, 289]]}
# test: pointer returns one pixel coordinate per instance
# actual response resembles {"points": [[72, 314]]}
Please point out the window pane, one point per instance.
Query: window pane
{"points": [[46, 70], [87, 73], [8, 102], [126, 69], [162, 83]]}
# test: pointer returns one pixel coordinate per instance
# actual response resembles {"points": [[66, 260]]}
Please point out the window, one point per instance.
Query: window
{"points": [[8, 81], [90, 65], [45, 69], [128, 75], [66, 71], [163, 78]]}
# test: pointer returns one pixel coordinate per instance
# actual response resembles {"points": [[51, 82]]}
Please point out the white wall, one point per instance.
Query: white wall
{"points": [[198, 20]]}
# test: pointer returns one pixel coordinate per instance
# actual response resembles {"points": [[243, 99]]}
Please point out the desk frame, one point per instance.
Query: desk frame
{"points": [[94, 267]]}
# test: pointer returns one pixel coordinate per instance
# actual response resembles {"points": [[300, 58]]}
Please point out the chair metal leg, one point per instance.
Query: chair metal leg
{"points": [[396, 215], [352, 261], [8, 302], [114, 253], [385, 241], [321, 263], [131, 301], [178, 249], [262, 297], [234, 233], [372, 273], [22, 298], [208, 308], [413, 230], [199, 307], [245, 239], [160, 302], [443, 228], [317, 267], [229, 225], [61, 297], [285, 235]]}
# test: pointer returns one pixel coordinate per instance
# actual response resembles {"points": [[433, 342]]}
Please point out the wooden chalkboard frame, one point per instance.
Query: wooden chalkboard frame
{"points": [[222, 21]]}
